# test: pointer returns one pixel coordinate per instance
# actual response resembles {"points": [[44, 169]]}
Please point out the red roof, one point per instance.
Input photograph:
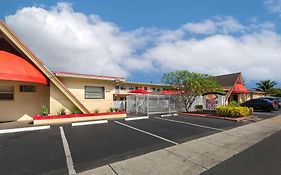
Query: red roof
{"points": [[16, 68], [139, 91], [239, 89]]}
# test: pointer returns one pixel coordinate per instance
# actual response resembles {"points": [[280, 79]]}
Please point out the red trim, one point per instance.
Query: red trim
{"points": [[41, 117], [89, 75]]}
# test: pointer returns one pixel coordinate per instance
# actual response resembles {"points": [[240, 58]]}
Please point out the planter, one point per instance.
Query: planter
{"points": [[69, 118]]}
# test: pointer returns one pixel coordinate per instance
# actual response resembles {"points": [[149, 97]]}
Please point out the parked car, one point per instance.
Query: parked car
{"points": [[274, 99], [261, 104]]}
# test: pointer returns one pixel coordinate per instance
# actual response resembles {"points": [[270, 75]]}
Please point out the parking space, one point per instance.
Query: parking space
{"points": [[33, 152], [60, 150], [210, 122], [95, 145], [176, 132]]}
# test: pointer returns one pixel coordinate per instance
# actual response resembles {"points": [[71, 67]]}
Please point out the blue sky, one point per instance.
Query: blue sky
{"points": [[142, 39]]}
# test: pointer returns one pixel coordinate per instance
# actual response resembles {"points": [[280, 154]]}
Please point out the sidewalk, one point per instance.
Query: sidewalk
{"points": [[196, 156], [16, 124], [262, 158]]}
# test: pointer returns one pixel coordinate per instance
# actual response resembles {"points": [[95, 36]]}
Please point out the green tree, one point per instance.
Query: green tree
{"points": [[265, 86], [275, 92], [191, 84]]}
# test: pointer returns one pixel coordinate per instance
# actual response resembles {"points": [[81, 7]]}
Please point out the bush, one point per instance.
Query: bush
{"points": [[116, 109], [96, 111], [198, 107], [111, 109], [61, 111], [234, 104], [45, 110], [75, 110], [232, 111]]}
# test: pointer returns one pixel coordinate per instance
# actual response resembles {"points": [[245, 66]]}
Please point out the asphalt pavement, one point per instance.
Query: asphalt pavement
{"points": [[92, 146], [260, 159]]}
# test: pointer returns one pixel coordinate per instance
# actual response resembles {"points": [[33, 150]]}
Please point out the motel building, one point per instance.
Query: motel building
{"points": [[26, 85]]}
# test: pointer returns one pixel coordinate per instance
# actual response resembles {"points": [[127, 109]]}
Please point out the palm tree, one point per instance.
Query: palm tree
{"points": [[265, 86]]}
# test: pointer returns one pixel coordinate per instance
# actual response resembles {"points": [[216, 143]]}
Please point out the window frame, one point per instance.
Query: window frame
{"points": [[91, 98], [22, 88], [8, 92]]}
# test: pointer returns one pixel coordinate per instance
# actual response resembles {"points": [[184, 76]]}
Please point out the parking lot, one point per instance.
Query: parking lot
{"points": [[66, 149]]}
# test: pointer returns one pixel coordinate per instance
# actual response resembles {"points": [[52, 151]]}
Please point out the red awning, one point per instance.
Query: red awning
{"points": [[139, 91], [16, 68], [166, 92], [239, 89]]}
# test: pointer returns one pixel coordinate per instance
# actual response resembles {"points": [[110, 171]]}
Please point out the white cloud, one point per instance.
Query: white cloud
{"points": [[70, 41], [273, 5], [218, 25], [257, 55]]}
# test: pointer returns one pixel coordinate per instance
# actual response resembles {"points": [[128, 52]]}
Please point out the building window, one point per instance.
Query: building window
{"points": [[154, 89], [6, 92], [145, 88], [117, 87], [27, 88], [123, 87], [94, 92], [136, 88], [131, 88]]}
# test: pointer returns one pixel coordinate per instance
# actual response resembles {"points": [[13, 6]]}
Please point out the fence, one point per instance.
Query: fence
{"points": [[154, 104]]}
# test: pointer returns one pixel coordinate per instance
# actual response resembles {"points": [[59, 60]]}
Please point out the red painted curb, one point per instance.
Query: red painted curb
{"points": [[42, 117], [216, 117]]}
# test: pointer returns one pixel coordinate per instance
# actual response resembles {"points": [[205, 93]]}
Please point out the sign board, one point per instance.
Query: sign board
{"points": [[212, 100]]}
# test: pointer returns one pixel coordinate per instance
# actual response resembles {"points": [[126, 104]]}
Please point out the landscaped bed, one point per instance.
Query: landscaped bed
{"points": [[234, 113], [68, 118]]}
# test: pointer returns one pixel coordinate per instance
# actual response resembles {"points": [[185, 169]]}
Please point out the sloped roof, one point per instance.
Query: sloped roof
{"points": [[88, 76], [227, 81]]}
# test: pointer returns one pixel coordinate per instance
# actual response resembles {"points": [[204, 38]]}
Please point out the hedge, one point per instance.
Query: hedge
{"points": [[234, 112]]}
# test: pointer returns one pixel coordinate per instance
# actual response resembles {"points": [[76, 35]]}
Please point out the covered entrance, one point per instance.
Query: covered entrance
{"points": [[23, 88]]}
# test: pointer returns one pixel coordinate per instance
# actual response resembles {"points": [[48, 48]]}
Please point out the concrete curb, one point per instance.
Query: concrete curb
{"points": [[216, 117], [196, 156]]}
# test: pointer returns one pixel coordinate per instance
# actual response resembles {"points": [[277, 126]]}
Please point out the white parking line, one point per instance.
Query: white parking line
{"points": [[69, 161], [192, 124], [5, 131], [148, 133], [136, 118], [89, 123]]}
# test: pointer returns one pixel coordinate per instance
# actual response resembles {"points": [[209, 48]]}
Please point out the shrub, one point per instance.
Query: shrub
{"points": [[198, 107], [116, 109], [96, 110], [45, 110], [111, 109], [75, 110], [232, 111], [61, 111], [234, 104]]}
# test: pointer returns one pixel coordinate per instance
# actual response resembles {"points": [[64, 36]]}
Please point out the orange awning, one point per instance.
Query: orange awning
{"points": [[239, 89], [16, 68]]}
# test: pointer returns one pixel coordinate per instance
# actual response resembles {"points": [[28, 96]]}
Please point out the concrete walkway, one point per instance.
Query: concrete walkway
{"points": [[15, 124], [196, 156]]}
